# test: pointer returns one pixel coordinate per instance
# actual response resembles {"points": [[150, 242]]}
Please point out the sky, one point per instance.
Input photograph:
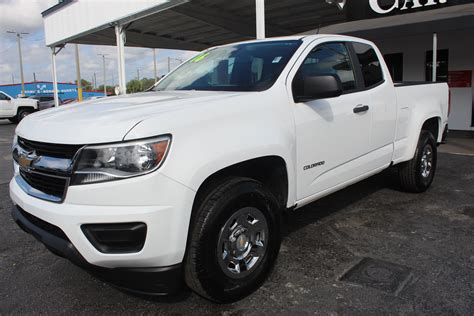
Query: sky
{"points": [[25, 16]]}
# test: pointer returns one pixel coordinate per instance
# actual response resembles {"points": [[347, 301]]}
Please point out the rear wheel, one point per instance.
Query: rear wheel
{"points": [[234, 242], [417, 174]]}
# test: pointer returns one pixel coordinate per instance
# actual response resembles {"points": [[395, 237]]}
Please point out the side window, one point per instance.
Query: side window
{"points": [[3, 97], [369, 64], [327, 59]]}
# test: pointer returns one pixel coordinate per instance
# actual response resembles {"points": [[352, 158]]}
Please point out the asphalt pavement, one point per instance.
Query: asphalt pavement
{"points": [[369, 249]]}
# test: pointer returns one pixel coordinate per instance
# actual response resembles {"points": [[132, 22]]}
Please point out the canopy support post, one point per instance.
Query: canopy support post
{"points": [[54, 52], [435, 56], [121, 38], [260, 18]]}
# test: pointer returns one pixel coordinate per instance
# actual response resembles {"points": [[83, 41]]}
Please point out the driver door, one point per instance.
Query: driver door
{"points": [[332, 136]]}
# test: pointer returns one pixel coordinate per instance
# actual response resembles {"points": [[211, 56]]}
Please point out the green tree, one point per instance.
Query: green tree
{"points": [[134, 86], [110, 89], [147, 83], [143, 84], [86, 85]]}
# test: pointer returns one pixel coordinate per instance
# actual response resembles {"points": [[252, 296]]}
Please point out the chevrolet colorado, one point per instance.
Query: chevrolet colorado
{"points": [[186, 183], [16, 109]]}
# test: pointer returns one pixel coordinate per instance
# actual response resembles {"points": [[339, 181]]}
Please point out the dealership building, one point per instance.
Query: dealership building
{"points": [[413, 35]]}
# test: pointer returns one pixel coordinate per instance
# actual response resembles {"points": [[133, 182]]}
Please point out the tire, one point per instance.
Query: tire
{"points": [[231, 220], [22, 114], [417, 174]]}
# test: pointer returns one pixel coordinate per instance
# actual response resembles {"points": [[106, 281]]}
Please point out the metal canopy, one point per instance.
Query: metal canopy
{"points": [[199, 24]]}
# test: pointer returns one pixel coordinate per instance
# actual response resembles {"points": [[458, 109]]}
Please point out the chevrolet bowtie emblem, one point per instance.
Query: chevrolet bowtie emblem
{"points": [[25, 159]]}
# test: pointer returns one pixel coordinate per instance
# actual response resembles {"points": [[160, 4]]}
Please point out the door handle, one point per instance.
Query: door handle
{"points": [[361, 108]]}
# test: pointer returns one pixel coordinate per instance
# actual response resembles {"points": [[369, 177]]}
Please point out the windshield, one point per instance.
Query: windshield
{"points": [[243, 67]]}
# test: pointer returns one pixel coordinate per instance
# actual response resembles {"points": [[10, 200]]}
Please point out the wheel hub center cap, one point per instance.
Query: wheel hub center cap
{"points": [[242, 242]]}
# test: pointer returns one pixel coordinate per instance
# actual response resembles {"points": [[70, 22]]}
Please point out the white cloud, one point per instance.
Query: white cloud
{"points": [[23, 15]]}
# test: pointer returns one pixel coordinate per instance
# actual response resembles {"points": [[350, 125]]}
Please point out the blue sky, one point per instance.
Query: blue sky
{"points": [[25, 16]]}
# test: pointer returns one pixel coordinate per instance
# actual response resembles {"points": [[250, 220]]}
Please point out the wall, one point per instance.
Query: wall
{"points": [[461, 57]]}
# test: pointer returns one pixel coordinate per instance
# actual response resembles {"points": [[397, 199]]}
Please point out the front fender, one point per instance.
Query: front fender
{"points": [[207, 139]]}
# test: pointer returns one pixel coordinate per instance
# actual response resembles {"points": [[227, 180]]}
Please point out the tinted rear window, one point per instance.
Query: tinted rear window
{"points": [[369, 63]]}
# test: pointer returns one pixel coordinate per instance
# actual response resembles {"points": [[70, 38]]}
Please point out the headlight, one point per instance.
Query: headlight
{"points": [[122, 160]]}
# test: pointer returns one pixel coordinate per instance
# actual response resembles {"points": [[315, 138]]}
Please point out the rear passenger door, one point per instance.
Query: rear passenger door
{"points": [[383, 105], [382, 99], [332, 135]]}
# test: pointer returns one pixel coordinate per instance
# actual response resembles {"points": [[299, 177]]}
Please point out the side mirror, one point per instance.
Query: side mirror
{"points": [[320, 87]]}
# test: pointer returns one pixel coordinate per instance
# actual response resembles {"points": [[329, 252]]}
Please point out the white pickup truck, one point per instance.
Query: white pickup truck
{"points": [[16, 109], [187, 183]]}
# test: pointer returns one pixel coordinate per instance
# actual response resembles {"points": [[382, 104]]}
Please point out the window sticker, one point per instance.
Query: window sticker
{"points": [[276, 60], [198, 58]]}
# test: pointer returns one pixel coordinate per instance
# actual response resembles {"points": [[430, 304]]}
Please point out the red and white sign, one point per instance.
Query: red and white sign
{"points": [[460, 79]]}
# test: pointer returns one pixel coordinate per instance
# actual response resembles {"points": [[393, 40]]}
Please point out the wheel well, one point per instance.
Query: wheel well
{"points": [[20, 108], [432, 125], [270, 171]]}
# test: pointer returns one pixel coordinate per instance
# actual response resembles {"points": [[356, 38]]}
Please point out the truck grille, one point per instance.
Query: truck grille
{"points": [[50, 185], [50, 150]]}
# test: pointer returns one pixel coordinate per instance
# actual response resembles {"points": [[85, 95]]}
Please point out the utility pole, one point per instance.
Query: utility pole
{"points": [[78, 74], [34, 77], [13, 79], [95, 81], [105, 81], [18, 37], [154, 64], [138, 74], [169, 62]]}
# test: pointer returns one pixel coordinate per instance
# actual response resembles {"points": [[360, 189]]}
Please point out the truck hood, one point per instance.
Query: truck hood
{"points": [[108, 119]]}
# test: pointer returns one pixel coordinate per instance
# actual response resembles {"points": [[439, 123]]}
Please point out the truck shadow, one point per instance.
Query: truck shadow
{"points": [[318, 210], [310, 214]]}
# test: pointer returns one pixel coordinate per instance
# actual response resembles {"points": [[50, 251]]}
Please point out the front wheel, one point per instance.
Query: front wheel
{"points": [[234, 241], [417, 174], [22, 114]]}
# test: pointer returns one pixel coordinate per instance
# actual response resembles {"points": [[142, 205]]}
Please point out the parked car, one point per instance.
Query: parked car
{"points": [[45, 102], [68, 101], [16, 109], [189, 181]]}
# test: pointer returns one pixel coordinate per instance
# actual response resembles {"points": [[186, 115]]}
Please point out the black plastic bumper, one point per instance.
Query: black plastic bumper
{"points": [[151, 281]]}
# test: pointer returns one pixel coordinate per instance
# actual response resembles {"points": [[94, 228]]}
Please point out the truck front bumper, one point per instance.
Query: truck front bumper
{"points": [[161, 280], [155, 200]]}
